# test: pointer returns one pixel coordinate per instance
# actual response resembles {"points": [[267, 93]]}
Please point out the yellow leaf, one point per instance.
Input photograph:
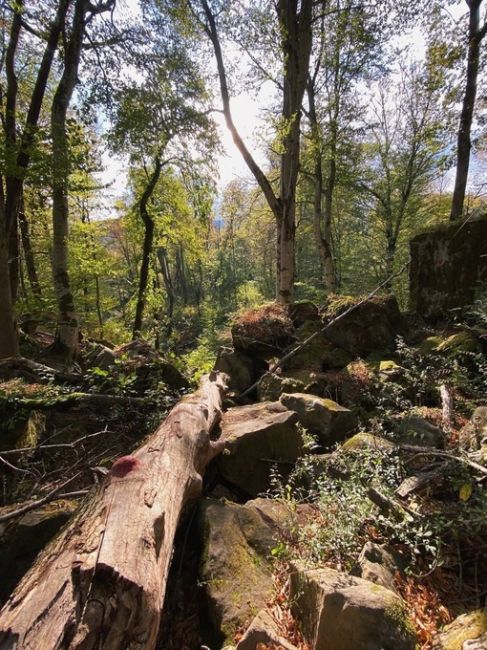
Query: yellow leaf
{"points": [[465, 492]]}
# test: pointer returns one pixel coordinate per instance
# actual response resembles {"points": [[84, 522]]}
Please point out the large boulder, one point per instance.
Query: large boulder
{"points": [[322, 417], [466, 632], [271, 386], [235, 566], [320, 353], [379, 565], [264, 632], [258, 436], [237, 366], [372, 326], [263, 331], [341, 612], [447, 265]]}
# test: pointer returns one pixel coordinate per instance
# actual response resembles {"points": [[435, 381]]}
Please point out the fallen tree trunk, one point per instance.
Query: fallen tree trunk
{"points": [[101, 583]]}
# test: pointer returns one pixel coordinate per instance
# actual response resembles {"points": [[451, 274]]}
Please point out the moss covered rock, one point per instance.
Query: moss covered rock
{"points": [[447, 264], [263, 331], [271, 386], [457, 343], [341, 612], [322, 417], [364, 440], [372, 326], [465, 628], [235, 566]]}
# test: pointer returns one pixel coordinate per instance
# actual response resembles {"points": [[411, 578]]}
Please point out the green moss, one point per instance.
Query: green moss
{"points": [[459, 342], [430, 344], [387, 366], [397, 614], [366, 441], [464, 628]]}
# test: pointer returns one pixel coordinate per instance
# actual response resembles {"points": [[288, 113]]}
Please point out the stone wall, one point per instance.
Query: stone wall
{"points": [[447, 266]]}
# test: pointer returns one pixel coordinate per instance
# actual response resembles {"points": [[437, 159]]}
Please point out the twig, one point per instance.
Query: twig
{"points": [[424, 451], [35, 504], [60, 445], [311, 337]]}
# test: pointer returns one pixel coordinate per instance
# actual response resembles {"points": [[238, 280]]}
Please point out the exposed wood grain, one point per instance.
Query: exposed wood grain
{"points": [[101, 582]]}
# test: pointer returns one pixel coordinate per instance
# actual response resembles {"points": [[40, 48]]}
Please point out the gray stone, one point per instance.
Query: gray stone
{"points": [[263, 629], [271, 386], [447, 265], [237, 366], [376, 564], [235, 567], [341, 612], [323, 417], [258, 436]]}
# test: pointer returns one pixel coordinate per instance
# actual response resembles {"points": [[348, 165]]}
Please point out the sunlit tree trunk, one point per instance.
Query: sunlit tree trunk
{"points": [[28, 252], [146, 248], [15, 176], [66, 342], [464, 144], [296, 39]]}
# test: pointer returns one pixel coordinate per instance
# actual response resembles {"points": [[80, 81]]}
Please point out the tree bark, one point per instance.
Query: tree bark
{"points": [[168, 284], [296, 40], [147, 246], [28, 253], [14, 181], [322, 215], [101, 583], [464, 144], [9, 344], [10, 127], [66, 342]]}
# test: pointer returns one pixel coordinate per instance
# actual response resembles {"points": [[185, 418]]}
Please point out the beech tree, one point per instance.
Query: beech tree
{"points": [[347, 46], [294, 28], [404, 149], [477, 29], [17, 148], [161, 121]]}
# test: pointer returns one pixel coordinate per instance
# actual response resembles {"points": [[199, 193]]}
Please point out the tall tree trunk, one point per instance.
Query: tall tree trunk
{"points": [[28, 253], [147, 247], [296, 40], [9, 345], [98, 305], [101, 583], [168, 284], [66, 342], [14, 181], [464, 144], [322, 215], [10, 127]]}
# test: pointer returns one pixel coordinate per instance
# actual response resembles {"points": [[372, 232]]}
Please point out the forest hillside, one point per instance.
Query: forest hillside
{"points": [[243, 411]]}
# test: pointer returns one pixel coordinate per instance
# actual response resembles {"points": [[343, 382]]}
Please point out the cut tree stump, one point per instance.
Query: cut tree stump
{"points": [[101, 583]]}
